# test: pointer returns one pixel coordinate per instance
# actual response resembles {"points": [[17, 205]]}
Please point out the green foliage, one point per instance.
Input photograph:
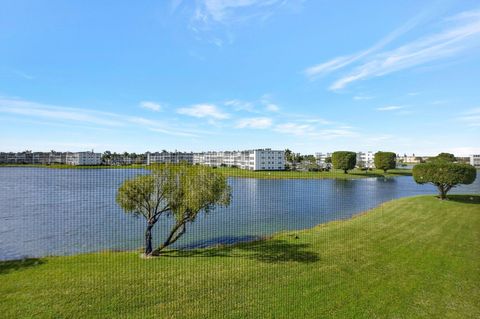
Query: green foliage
{"points": [[177, 191], [444, 175], [328, 160], [443, 157], [344, 160], [385, 160]]}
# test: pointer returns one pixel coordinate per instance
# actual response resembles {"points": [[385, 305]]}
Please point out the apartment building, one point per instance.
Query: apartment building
{"points": [[475, 160], [321, 157], [365, 159], [259, 159], [165, 157], [409, 158], [84, 158]]}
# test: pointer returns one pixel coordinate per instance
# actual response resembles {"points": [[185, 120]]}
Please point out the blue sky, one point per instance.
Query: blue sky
{"points": [[224, 74]]}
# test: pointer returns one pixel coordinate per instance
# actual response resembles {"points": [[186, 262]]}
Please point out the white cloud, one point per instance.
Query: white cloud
{"points": [[462, 34], [153, 106], [362, 97], [272, 107], [256, 122], [95, 119], [390, 108], [228, 10], [343, 61], [204, 110], [294, 128], [239, 105]]}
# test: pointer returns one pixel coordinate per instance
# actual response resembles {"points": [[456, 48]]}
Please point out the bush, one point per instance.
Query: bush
{"points": [[444, 175], [344, 160], [385, 160]]}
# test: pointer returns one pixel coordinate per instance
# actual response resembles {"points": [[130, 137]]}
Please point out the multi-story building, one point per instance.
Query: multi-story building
{"points": [[84, 158], [409, 158], [321, 157], [165, 157], [365, 159], [475, 160], [259, 159]]}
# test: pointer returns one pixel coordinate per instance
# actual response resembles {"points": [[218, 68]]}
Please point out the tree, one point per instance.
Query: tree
{"points": [[344, 160], [179, 192], [443, 157], [444, 175], [385, 160], [289, 155]]}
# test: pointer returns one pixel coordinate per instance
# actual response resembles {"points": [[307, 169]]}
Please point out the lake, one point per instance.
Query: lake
{"points": [[68, 211]]}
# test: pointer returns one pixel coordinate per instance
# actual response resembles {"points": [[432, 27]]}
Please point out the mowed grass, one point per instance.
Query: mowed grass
{"points": [[415, 257], [237, 172], [333, 174]]}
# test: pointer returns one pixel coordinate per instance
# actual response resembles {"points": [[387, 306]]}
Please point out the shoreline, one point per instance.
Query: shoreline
{"points": [[241, 173], [253, 238]]}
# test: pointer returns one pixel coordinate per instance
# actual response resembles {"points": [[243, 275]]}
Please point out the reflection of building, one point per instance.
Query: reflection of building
{"points": [[165, 157], [365, 159], [475, 160], [84, 158], [260, 159]]}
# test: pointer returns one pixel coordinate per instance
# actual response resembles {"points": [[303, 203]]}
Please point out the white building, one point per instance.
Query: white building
{"points": [[475, 160], [365, 159], [260, 159], [321, 157], [165, 157], [84, 158]]}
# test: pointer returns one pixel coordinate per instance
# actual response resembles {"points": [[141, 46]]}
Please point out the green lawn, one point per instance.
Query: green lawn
{"points": [[237, 172], [333, 174], [410, 258]]}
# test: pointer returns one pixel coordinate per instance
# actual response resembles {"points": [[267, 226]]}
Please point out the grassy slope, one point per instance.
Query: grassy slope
{"points": [[413, 257]]}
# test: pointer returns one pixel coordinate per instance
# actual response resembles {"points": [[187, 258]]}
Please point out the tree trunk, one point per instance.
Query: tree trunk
{"points": [[148, 240], [345, 171], [172, 237], [384, 171], [443, 192]]}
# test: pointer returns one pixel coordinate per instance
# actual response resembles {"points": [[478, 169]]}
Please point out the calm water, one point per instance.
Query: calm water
{"points": [[61, 212]]}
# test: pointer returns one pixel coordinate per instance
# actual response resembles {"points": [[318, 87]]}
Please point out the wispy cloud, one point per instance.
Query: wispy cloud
{"points": [[343, 61], [239, 105], [24, 75], [362, 97], [204, 111], [96, 119], [234, 10], [471, 117], [256, 122], [153, 106], [462, 33], [390, 108]]}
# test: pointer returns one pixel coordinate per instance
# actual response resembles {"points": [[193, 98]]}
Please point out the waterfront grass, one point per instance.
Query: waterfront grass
{"points": [[415, 257], [243, 173], [332, 174]]}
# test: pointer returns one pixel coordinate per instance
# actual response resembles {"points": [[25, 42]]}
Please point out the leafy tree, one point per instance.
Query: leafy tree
{"points": [[328, 160], [443, 157], [179, 192], [289, 156], [344, 160], [310, 158], [385, 160], [444, 175]]}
